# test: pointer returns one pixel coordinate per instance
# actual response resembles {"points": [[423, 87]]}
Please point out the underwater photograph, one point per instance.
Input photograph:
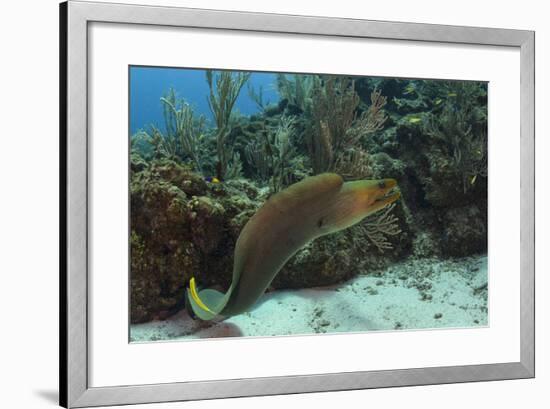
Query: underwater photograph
{"points": [[272, 204]]}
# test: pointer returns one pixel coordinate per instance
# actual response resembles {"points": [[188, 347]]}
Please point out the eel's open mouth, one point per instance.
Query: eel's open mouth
{"points": [[389, 198], [389, 193]]}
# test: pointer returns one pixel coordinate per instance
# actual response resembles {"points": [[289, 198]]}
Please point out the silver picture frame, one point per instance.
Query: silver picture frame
{"points": [[75, 16]]}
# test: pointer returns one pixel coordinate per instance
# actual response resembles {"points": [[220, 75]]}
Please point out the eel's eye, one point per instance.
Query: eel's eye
{"points": [[381, 184], [320, 222]]}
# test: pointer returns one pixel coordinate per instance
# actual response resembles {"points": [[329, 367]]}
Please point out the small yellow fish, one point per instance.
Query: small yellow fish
{"points": [[415, 120], [473, 179], [438, 101], [212, 179], [451, 94]]}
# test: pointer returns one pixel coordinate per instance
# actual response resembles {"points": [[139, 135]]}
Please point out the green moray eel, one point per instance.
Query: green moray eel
{"points": [[316, 206]]}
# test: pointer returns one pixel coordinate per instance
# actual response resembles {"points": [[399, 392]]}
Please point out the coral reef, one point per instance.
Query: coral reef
{"points": [[335, 134], [297, 91], [435, 143], [181, 226], [271, 153], [184, 136], [431, 136], [465, 231], [225, 87]]}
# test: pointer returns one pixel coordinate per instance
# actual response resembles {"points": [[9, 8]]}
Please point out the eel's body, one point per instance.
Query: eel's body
{"points": [[309, 209]]}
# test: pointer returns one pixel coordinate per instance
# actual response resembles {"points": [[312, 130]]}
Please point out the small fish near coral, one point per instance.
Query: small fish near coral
{"points": [[212, 179], [314, 207]]}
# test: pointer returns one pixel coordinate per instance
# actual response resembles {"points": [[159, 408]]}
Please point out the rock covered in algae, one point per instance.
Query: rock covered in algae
{"points": [[465, 231], [444, 210], [182, 226], [160, 253]]}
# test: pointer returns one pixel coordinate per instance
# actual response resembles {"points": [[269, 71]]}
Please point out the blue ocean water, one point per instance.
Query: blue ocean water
{"points": [[149, 84]]}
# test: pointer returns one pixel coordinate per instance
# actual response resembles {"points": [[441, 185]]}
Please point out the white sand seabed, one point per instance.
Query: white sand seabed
{"points": [[414, 294]]}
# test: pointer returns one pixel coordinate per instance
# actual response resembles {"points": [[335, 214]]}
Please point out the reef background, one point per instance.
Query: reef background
{"points": [[195, 183]]}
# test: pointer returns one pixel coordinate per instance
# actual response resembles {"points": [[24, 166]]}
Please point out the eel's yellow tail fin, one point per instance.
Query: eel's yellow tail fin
{"points": [[195, 296], [206, 304]]}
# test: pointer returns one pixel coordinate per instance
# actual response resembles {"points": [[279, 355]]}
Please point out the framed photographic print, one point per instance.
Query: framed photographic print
{"points": [[241, 193]]}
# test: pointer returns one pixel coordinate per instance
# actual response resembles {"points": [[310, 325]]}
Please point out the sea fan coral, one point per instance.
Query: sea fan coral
{"points": [[336, 128]]}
